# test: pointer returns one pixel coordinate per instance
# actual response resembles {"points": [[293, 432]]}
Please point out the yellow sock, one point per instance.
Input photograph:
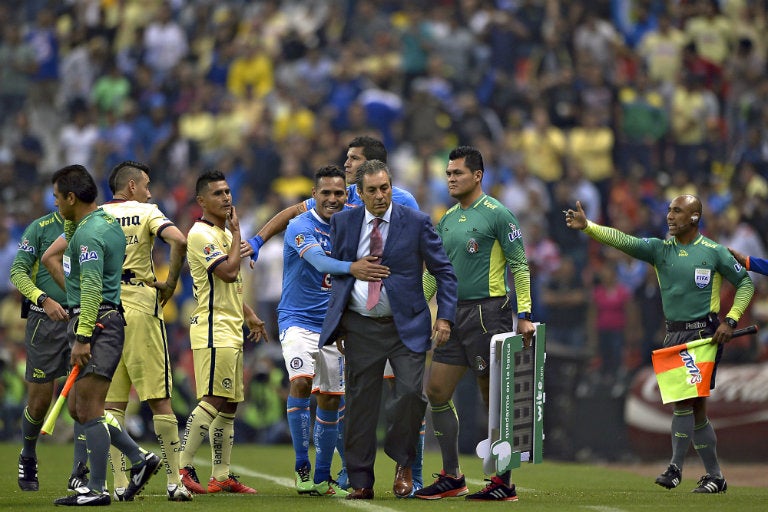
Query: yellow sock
{"points": [[222, 437], [167, 431], [196, 431]]}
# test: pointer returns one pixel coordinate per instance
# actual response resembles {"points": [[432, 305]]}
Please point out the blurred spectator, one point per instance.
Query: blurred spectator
{"points": [[42, 37], [17, 65], [78, 138], [28, 151], [641, 125], [565, 298], [543, 147], [694, 120], [611, 303], [165, 43]]}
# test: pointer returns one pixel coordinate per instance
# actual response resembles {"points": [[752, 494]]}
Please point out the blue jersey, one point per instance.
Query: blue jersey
{"points": [[399, 196], [306, 291]]}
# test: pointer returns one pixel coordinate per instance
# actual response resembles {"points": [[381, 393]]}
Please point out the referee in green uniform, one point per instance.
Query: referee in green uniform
{"points": [[482, 238], [690, 268], [90, 272]]}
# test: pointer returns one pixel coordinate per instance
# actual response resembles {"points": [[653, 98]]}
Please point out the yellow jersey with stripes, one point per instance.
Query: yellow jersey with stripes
{"points": [[217, 320]]}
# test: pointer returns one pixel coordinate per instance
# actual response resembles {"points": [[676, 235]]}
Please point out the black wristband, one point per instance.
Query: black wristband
{"points": [[82, 339], [41, 299], [731, 322]]}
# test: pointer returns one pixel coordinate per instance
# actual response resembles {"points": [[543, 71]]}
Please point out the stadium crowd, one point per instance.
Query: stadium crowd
{"points": [[621, 104]]}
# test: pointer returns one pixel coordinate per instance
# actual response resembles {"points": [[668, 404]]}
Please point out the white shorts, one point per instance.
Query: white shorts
{"points": [[303, 359]]}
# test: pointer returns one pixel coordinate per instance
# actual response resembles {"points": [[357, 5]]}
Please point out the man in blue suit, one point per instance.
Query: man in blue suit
{"points": [[375, 320]]}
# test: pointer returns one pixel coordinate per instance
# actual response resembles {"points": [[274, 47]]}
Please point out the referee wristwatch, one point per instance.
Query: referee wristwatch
{"points": [[41, 299], [525, 316], [81, 338], [731, 322]]}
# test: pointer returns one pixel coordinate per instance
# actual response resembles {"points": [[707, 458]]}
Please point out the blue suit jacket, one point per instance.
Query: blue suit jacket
{"points": [[412, 242]]}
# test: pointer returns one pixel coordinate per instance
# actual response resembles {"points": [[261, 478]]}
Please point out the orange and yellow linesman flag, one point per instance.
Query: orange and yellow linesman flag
{"points": [[684, 371]]}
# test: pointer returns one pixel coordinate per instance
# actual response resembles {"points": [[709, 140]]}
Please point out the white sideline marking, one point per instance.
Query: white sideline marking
{"points": [[603, 508], [289, 483]]}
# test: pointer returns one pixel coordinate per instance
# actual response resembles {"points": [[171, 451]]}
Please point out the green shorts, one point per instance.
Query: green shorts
{"points": [[477, 321], [47, 348]]}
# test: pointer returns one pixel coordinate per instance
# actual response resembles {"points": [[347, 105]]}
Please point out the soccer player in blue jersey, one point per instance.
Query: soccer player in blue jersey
{"points": [[359, 150], [307, 270]]}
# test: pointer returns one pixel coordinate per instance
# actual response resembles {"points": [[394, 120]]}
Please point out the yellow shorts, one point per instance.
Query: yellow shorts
{"points": [[145, 362], [219, 372]]}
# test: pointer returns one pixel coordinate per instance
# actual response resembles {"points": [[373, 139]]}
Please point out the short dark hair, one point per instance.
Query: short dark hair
{"points": [[207, 177], [373, 149], [124, 172], [473, 159], [370, 167], [329, 171], [76, 179]]}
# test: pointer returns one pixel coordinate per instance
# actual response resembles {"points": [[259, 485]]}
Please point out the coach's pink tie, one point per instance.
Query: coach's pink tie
{"points": [[377, 248]]}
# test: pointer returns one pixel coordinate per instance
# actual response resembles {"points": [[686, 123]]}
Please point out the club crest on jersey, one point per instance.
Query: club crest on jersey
{"points": [[86, 255], [25, 246], [299, 240], [514, 232], [702, 277], [472, 246], [210, 251]]}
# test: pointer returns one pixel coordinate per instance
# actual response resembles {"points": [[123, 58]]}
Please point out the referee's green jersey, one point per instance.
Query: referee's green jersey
{"points": [[480, 242], [93, 264], [690, 276], [27, 274]]}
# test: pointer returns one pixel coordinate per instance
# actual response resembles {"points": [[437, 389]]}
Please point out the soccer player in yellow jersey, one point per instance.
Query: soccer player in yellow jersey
{"points": [[145, 363], [216, 334]]}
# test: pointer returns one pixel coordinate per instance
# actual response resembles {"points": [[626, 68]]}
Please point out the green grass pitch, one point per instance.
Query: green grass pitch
{"points": [[550, 486]]}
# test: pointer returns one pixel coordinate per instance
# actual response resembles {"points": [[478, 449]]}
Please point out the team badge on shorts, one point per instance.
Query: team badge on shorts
{"points": [[227, 383], [702, 276], [296, 363], [480, 363], [472, 246]]}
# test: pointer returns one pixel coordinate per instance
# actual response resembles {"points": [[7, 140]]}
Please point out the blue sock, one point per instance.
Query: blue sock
{"points": [[340, 439], [298, 423], [418, 462], [326, 434]]}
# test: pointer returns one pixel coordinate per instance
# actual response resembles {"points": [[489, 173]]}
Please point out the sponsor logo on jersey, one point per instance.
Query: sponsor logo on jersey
{"points": [[514, 232], [472, 246], [66, 265], [299, 240], [702, 277], [682, 253], [86, 255], [737, 267], [25, 246], [327, 280]]}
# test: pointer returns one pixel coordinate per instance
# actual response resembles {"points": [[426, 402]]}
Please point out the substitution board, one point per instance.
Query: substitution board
{"points": [[516, 403]]}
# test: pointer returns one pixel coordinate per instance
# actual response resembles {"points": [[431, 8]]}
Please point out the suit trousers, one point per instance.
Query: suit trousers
{"points": [[368, 344]]}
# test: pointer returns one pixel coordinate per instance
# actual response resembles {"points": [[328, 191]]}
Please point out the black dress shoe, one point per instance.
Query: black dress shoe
{"points": [[361, 494], [403, 484]]}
